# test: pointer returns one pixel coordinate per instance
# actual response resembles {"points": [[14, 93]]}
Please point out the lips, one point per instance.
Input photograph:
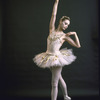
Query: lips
{"points": [[64, 28]]}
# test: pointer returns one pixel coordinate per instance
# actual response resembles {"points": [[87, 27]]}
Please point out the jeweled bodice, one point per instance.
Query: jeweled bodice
{"points": [[54, 42]]}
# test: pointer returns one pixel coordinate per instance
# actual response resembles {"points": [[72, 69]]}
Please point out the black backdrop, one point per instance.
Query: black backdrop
{"points": [[24, 27]]}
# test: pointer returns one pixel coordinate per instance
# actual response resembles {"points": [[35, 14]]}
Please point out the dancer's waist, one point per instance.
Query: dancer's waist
{"points": [[53, 52]]}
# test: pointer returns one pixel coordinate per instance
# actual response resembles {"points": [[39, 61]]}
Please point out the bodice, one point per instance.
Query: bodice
{"points": [[54, 43]]}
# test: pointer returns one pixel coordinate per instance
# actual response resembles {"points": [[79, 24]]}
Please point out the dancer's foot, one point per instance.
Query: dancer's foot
{"points": [[67, 97]]}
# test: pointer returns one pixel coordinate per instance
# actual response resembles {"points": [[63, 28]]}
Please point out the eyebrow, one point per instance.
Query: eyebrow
{"points": [[66, 23]]}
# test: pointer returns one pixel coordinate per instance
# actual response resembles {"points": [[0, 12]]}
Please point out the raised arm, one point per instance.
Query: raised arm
{"points": [[53, 16], [75, 43]]}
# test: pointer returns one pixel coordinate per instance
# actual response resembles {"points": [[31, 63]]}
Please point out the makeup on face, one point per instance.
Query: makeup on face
{"points": [[65, 24]]}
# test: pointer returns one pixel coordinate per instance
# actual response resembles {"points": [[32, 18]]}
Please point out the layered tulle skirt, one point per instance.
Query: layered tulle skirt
{"points": [[59, 59]]}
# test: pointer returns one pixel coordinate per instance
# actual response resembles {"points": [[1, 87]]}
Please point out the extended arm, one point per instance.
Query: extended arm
{"points": [[53, 16], [75, 43]]}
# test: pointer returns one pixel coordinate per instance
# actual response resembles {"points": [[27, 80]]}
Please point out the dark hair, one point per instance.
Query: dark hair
{"points": [[65, 18]]}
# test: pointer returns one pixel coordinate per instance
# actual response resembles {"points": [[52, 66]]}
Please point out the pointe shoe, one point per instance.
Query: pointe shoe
{"points": [[67, 97]]}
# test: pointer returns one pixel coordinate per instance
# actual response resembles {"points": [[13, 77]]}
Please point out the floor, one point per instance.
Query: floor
{"points": [[38, 98]]}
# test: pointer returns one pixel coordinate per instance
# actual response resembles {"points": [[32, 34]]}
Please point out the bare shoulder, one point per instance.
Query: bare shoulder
{"points": [[63, 35]]}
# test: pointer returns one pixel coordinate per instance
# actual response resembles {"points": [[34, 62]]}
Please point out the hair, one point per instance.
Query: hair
{"points": [[64, 18]]}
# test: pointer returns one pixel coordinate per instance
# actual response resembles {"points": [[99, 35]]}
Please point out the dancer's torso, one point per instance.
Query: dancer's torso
{"points": [[54, 42]]}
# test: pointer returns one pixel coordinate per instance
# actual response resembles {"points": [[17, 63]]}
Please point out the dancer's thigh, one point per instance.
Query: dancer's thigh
{"points": [[56, 73]]}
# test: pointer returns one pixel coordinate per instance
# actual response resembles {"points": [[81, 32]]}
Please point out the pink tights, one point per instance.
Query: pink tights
{"points": [[57, 77]]}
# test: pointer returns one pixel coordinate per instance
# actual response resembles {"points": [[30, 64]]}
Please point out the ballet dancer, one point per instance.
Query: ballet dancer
{"points": [[55, 58]]}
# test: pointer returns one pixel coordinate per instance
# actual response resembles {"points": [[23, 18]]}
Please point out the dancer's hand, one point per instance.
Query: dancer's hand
{"points": [[57, 0], [71, 33]]}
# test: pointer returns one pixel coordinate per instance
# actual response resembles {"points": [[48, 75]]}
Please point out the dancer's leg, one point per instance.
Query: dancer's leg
{"points": [[63, 85], [64, 88], [56, 72]]}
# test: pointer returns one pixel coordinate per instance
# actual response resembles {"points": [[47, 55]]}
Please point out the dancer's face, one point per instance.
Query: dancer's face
{"points": [[64, 24]]}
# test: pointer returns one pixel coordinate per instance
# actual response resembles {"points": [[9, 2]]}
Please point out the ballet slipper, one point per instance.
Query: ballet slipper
{"points": [[66, 97]]}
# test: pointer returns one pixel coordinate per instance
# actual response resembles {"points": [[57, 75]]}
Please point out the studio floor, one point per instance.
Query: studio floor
{"points": [[46, 98]]}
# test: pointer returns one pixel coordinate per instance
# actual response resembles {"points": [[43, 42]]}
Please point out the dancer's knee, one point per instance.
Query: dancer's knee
{"points": [[54, 84], [62, 82]]}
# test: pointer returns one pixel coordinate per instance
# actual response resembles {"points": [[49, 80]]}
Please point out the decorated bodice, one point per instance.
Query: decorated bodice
{"points": [[54, 42]]}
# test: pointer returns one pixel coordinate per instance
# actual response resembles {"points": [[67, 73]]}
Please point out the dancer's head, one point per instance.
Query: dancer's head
{"points": [[64, 22]]}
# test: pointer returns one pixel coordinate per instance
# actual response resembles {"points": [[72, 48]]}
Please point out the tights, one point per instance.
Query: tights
{"points": [[57, 77]]}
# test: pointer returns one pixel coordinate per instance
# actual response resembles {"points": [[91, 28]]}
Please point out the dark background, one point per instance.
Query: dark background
{"points": [[24, 27]]}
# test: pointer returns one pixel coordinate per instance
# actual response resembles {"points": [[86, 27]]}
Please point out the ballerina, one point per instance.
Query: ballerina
{"points": [[55, 58]]}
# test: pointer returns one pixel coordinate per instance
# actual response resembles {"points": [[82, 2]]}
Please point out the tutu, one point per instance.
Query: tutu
{"points": [[54, 57], [64, 57]]}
